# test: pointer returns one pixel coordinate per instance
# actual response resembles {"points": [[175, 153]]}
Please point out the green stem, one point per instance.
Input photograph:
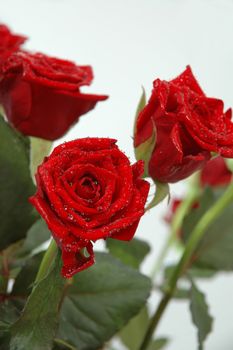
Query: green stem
{"points": [[177, 221], [192, 243], [46, 261]]}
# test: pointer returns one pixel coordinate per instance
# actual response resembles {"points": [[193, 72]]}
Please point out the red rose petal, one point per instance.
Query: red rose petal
{"points": [[50, 90], [215, 173], [73, 257], [188, 126]]}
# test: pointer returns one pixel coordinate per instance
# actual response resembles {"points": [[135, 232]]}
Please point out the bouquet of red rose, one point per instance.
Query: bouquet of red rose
{"points": [[55, 292]]}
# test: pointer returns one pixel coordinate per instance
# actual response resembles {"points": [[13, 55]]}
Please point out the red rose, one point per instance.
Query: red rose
{"points": [[9, 42], [87, 190], [215, 173], [41, 95], [188, 126]]}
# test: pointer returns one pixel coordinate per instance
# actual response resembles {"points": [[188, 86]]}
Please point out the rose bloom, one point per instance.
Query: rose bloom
{"points": [[188, 127], [9, 43], [41, 95], [87, 190]]}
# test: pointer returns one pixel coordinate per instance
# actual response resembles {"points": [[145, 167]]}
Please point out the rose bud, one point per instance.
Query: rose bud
{"points": [[9, 43], [215, 173], [41, 95], [187, 127], [87, 190]]}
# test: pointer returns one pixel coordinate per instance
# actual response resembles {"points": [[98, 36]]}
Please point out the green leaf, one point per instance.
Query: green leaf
{"points": [[158, 344], [2, 113], [144, 151], [162, 191], [140, 106], [17, 254], [8, 315], [200, 315], [215, 250], [131, 253], [36, 327], [101, 300], [24, 281], [38, 150], [196, 272], [229, 163], [36, 236], [132, 334], [16, 214]]}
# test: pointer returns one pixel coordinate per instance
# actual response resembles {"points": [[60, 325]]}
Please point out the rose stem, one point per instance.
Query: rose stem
{"points": [[192, 243], [177, 220]]}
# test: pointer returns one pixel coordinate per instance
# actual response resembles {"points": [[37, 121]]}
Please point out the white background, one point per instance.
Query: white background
{"points": [[129, 43]]}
